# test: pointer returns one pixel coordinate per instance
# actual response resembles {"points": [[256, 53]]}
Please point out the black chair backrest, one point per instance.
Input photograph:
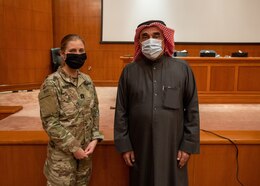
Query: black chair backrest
{"points": [[55, 58]]}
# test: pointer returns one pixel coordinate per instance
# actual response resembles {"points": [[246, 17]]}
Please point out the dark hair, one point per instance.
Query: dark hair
{"points": [[68, 38], [151, 21]]}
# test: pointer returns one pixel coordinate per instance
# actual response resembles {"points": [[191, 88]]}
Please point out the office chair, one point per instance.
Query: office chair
{"points": [[55, 58]]}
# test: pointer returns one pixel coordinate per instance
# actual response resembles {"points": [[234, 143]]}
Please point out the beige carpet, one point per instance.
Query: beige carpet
{"points": [[213, 116]]}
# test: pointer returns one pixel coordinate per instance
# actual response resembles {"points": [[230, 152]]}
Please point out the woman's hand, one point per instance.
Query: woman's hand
{"points": [[91, 147], [80, 154]]}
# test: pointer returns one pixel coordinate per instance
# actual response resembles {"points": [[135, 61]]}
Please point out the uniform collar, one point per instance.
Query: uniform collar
{"points": [[75, 81]]}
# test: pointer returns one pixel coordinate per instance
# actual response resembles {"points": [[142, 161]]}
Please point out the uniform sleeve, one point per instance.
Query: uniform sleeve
{"points": [[49, 111], [95, 115], [191, 138], [121, 131]]}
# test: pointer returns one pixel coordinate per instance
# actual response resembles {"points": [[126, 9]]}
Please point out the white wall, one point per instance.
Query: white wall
{"points": [[214, 21]]}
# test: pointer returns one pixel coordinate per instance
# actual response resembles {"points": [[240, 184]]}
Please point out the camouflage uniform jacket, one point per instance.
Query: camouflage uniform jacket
{"points": [[69, 111]]}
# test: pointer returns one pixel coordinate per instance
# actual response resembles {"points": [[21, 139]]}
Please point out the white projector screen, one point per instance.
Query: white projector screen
{"points": [[194, 21]]}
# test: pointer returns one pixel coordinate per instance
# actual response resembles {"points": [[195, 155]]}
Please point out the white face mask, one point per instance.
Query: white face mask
{"points": [[152, 48]]}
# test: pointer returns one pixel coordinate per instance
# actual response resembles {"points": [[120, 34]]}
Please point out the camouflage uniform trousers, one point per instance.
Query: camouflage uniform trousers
{"points": [[62, 169]]}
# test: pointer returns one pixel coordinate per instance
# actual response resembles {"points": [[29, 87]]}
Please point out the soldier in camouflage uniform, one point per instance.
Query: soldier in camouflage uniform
{"points": [[70, 117]]}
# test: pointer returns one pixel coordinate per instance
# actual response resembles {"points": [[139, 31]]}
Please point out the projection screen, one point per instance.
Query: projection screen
{"points": [[200, 21]]}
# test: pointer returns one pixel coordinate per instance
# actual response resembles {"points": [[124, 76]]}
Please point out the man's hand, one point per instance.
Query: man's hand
{"points": [[129, 158], [182, 158]]}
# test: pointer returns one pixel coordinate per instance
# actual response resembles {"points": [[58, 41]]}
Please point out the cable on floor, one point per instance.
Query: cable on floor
{"points": [[235, 145]]}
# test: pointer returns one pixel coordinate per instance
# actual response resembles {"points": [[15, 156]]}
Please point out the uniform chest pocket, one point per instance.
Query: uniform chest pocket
{"points": [[171, 97], [69, 103], [86, 100]]}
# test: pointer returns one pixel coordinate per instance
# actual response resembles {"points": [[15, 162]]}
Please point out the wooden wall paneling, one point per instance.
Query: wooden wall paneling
{"points": [[222, 78], [3, 65], [48, 21], [215, 165], [108, 166], [209, 78], [1, 39], [191, 169], [106, 66], [1, 26], [245, 166], [9, 17], [248, 78], [41, 22], [201, 76], [9, 38], [22, 164], [218, 167], [24, 17], [43, 6], [236, 79], [106, 158], [27, 27]]}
